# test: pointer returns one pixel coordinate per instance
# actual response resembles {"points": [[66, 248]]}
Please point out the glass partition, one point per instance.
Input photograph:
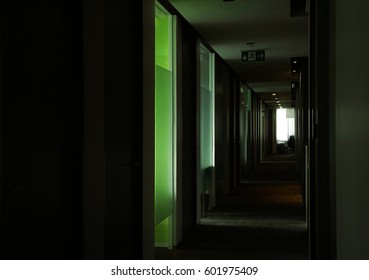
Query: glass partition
{"points": [[164, 128], [206, 187]]}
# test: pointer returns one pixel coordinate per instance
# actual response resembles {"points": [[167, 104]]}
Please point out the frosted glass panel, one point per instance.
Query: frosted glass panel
{"points": [[206, 188], [163, 144], [206, 133], [164, 139]]}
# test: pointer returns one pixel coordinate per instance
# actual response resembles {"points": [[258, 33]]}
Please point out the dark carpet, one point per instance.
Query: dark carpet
{"points": [[262, 219]]}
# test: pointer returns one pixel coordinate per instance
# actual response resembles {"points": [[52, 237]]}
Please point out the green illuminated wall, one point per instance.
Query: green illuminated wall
{"points": [[163, 128]]}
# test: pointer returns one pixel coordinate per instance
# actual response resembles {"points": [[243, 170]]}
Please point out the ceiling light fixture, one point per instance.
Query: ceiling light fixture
{"points": [[295, 63], [274, 94]]}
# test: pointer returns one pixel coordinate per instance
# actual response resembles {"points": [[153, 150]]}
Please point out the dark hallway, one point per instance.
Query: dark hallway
{"points": [[263, 218], [143, 130]]}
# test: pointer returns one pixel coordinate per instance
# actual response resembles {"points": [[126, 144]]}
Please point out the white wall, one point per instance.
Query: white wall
{"points": [[352, 128]]}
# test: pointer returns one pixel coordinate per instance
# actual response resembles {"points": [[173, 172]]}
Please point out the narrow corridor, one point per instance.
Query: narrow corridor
{"points": [[263, 218]]}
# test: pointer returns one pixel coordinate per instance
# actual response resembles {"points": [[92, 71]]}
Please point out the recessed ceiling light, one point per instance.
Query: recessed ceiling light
{"points": [[294, 71], [274, 94], [295, 61]]}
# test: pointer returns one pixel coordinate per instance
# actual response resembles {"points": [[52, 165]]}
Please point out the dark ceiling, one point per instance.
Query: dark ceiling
{"points": [[279, 27]]}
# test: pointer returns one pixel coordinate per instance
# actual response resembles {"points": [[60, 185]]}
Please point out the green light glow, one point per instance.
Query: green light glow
{"points": [[163, 128], [161, 232]]}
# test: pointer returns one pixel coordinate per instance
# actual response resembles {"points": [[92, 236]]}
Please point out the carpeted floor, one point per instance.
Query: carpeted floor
{"points": [[263, 218]]}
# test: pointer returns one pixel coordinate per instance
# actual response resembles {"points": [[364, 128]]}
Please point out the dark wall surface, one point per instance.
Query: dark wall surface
{"points": [[41, 129], [123, 129], [48, 208], [189, 46]]}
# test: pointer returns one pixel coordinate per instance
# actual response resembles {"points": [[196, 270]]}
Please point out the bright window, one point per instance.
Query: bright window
{"points": [[285, 124]]}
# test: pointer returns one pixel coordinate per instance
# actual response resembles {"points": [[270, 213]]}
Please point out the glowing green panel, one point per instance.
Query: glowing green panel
{"points": [[163, 44], [161, 232], [163, 144], [163, 128]]}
